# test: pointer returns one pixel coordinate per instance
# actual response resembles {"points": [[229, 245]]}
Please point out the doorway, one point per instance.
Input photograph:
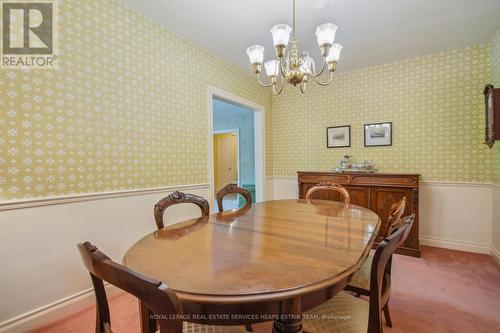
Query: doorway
{"points": [[236, 145], [234, 149]]}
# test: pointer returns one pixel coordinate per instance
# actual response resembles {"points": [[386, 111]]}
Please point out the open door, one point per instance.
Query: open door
{"points": [[225, 159]]}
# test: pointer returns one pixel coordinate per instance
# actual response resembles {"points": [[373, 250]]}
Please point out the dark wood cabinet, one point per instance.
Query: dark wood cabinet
{"points": [[377, 192]]}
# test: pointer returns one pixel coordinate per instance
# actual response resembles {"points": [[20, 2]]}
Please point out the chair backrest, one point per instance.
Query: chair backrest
{"points": [[397, 210], [328, 186], [178, 198], [232, 188], [380, 276], [162, 301]]}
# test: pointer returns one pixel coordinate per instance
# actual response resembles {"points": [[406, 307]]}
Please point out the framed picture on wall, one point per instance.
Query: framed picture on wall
{"points": [[379, 134], [338, 136]]}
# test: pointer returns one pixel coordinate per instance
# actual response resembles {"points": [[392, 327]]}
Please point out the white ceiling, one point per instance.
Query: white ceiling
{"points": [[372, 31]]}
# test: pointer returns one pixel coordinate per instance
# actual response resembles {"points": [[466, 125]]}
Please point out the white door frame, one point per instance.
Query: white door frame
{"points": [[237, 131], [259, 135]]}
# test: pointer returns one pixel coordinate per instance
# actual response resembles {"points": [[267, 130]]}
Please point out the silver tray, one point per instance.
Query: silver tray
{"points": [[341, 170]]}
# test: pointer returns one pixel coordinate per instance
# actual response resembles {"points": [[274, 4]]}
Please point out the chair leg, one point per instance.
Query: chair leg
{"points": [[148, 323], [387, 315], [249, 328]]}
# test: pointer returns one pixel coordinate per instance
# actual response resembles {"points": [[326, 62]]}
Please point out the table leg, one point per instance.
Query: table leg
{"points": [[290, 319], [148, 323]]}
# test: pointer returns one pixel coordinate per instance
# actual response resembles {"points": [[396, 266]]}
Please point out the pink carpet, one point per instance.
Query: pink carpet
{"points": [[444, 291]]}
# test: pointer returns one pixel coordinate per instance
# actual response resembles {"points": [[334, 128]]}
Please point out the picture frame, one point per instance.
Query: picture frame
{"points": [[378, 134], [338, 136]]}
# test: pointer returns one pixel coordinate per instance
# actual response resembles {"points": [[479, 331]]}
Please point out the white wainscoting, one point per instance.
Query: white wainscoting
{"points": [[452, 215], [43, 279], [456, 216], [284, 187], [495, 248], [42, 276]]}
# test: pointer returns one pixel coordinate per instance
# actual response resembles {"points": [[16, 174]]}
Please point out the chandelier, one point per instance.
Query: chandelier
{"points": [[294, 67]]}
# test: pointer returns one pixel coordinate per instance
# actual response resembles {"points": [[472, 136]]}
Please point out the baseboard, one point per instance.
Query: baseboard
{"points": [[456, 245], [54, 311], [495, 253]]}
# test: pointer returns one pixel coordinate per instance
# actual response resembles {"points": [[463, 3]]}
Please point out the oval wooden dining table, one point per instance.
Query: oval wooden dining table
{"points": [[271, 261]]}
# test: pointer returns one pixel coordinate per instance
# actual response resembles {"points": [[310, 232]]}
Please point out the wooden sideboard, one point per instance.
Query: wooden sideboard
{"points": [[375, 191]]}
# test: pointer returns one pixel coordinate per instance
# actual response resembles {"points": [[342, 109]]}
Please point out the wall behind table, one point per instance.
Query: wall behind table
{"points": [[495, 80], [436, 105], [126, 109], [434, 102]]}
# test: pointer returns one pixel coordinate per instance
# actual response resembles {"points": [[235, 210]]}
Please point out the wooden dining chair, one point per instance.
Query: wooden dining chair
{"points": [[360, 281], [162, 301], [232, 188], [179, 198], [395, 213], [362, 316], [328, 186]]}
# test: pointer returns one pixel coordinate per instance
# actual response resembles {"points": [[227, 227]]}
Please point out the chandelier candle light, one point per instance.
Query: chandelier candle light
{"points": [[295, 68]]}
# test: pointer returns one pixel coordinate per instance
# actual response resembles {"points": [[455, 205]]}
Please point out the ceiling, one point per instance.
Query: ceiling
{"points": [[372, 31]]}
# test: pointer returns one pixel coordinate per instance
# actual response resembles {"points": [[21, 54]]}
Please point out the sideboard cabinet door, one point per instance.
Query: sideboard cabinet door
{"points": [[359, 195], [381, 200]]}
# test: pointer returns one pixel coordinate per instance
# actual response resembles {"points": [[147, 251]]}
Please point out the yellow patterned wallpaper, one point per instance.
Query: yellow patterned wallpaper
{"points": [[435, 103], [495, 76], [127, 108]]}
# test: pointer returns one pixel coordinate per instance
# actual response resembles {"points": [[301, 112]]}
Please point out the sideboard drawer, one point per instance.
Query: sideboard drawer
{"points": [[403, 181], [319, 178]]}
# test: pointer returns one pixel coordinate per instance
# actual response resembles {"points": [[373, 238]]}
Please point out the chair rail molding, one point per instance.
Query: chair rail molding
{"points": [[59, 200]]}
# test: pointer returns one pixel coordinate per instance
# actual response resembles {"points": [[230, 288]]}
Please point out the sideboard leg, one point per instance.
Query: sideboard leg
{"points": [[290, 319]]}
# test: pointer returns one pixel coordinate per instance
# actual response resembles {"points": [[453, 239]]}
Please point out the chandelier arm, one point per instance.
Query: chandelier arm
{"points": [[279, 91], [264, 84], [327, 82], [281, 88], [321, 71], [282, 66]]}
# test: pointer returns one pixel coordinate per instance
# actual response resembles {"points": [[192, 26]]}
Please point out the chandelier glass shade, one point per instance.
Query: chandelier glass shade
{"points": [[294, 67]]}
